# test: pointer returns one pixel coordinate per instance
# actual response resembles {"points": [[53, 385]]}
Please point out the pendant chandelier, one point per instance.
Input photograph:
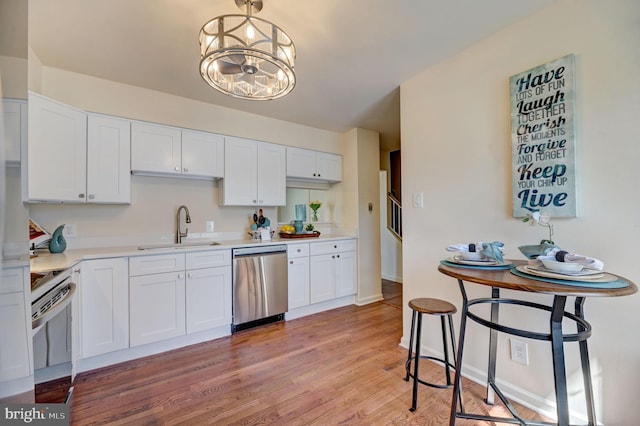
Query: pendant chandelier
{"points": [[247, 57]]}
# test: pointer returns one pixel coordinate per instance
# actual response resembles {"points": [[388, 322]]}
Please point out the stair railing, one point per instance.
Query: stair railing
{"points": [[394, 216]]}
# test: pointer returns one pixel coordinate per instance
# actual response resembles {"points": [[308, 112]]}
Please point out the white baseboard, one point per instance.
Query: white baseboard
{"points": [[129, 354], [392, 278], [370, 299], [315, 308]]}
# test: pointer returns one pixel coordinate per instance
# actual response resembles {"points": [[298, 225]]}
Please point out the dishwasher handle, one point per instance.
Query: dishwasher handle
{"points": [[260, 250]]}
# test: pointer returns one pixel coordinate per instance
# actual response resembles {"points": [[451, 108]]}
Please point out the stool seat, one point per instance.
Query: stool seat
{"points": [[429, 306], [436, 307]]}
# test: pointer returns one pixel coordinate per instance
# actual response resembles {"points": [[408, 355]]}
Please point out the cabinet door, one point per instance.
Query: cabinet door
{"points": [[14, 350], [108, 160], [57, 154], [202, 154], [208, 298], [345, 273], [272, 175], [301, 163], [329, 166], [298, 282], [15, 129], [104, 306], [240, 183], [322, 278], [157, 307], [155, 149]]}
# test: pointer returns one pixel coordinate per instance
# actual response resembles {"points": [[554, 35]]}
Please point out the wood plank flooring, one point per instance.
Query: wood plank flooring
{"points": [[340, 367]]}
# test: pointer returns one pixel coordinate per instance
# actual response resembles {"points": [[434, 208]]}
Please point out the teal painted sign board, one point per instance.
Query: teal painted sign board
{"points": [[543, 139]]}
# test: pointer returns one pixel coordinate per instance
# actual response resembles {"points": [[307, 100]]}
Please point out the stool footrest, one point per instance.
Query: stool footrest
{"points": [[407, 367]]}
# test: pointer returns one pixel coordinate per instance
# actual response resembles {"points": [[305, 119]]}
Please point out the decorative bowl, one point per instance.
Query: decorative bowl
{"points": [[555, 266]]}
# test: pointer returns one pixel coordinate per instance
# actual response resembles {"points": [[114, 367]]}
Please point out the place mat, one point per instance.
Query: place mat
{"points": [[496, 267], [617, 283]]}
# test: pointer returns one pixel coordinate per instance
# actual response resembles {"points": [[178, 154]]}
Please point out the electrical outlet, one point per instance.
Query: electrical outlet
{"points": [[210, 226], [519, 352], [69, 230]]}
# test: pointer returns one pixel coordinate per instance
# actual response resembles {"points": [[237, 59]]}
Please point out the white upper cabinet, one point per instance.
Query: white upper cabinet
{"points": [[108, 160], [255, 173], [75, 157], [15, 129], [164, 150], [312, 165], [202, 154], [155, 149], [57, 152]]}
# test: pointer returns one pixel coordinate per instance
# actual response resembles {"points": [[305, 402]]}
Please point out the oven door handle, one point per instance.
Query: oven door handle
{"points": [[38, 323]]}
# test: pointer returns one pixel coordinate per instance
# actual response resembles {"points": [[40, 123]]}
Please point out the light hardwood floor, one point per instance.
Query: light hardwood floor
{"points": [[343, 366]]}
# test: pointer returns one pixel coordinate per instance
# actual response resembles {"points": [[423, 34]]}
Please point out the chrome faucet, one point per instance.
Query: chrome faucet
{"points": [[179, 234]]}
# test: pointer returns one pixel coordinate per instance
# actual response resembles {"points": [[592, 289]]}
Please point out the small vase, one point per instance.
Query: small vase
{"points": [[58, 244], [314, 217]]}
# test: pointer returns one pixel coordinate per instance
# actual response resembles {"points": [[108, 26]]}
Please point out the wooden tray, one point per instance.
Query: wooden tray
{"points": [[314, 234]]}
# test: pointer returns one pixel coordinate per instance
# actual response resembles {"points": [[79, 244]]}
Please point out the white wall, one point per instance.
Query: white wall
{"points": [[369, 270], [155, 200], [456, 149]]}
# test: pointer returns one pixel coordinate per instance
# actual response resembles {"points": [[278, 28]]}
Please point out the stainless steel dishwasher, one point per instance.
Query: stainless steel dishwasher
{"points": [[260, 287]]}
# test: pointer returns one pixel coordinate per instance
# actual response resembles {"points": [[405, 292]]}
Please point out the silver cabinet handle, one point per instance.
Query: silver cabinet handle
{"points": [[185, 169], [80, 195], [177, 169], [91, 196]]}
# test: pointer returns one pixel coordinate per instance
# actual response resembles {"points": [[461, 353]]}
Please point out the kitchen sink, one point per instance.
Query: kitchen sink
{"points": [[179, 245]]}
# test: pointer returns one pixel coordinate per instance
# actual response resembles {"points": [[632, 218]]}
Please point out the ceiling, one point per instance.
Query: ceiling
{"points": [[352, 55]]}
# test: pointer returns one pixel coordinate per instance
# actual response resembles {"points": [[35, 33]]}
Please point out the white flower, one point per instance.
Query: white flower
{"points": [[542, 218]]}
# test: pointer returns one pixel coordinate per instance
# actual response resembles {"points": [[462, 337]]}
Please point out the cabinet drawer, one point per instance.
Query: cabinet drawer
{"points": [[335, 246], [297, 250], [208, 259], [156, 264], [11, 280]]}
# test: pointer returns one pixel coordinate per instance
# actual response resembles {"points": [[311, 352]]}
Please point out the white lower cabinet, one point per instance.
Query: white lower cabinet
{"points": [[104, 294], [208, 290], [332, 266], [298, 270], [175, 294], [157, 307], [156, 300], [15, 354]]}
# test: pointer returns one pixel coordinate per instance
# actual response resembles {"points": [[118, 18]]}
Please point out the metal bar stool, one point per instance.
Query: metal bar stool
{"points": [[440, 308]]}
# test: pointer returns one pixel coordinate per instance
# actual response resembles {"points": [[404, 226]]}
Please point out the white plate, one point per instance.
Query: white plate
{"points": [[581, 273], [461, 261], [598, 276]]}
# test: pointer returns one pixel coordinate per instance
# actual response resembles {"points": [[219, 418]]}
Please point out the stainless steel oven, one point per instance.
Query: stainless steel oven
{"points": [[51, 297]]}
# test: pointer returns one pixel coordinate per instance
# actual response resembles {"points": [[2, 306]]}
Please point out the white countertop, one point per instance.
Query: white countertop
{"points": [[45, 261]]}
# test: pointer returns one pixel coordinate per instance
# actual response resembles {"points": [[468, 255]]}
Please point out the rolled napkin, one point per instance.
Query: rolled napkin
{"points": [[563, 256], [469, 247], [489, 250]]}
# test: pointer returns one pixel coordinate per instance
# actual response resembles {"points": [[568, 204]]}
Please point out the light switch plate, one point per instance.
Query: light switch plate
{"points": [[418, 200], [210, 226]]}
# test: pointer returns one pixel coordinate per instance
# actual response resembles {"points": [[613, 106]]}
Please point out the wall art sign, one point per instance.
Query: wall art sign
{"points": [[543, 139]]}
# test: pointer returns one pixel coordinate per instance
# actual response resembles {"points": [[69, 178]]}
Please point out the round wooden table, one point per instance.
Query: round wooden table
{"points": [[499, 279]]}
